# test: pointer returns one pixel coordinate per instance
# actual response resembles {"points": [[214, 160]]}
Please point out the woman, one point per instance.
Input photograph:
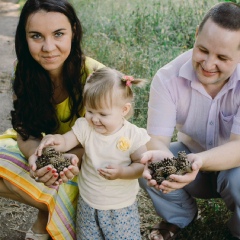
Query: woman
{"points": [[50, 73]]}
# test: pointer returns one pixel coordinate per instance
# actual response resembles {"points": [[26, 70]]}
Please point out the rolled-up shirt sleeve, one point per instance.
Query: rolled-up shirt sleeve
{"points": [[161, 109]]}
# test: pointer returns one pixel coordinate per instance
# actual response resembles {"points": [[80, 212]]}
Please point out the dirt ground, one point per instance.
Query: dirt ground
{"points": [[15, 218]]}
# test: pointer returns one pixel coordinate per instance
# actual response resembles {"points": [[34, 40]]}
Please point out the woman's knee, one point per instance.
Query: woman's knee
{"points": [[4, 189], [7, 190], [12, 188], [15, 193]]}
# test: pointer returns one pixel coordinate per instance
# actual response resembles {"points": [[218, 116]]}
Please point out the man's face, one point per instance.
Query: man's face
{"points": [[216, 54]]}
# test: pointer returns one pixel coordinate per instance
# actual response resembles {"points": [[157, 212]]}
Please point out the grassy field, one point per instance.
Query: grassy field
{"points": [[137, 38]]}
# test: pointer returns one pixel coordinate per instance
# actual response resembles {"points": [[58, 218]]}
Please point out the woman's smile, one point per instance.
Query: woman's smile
{"points": [[50, 58]]}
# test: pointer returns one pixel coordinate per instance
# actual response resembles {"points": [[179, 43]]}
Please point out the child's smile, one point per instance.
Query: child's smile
{"points": [[105, 121]]}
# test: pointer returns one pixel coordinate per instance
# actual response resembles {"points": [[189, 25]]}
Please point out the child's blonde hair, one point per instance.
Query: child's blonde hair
{"points": [[107, 86]]}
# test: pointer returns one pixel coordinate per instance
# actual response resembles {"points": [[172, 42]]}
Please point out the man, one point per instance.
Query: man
{"points": [[199, 94]]}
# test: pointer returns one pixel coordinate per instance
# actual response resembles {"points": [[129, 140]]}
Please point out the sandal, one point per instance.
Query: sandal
{"points": [[168, 231], [36, 236]]}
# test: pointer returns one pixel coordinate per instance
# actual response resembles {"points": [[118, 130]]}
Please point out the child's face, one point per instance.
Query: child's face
{"points": [[107, 120]]}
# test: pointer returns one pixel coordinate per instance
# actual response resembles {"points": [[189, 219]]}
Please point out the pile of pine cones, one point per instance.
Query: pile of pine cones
{"points": [[162, 170], [56, 159]]}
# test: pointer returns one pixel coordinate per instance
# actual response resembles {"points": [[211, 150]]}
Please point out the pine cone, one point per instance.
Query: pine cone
{"points": [[167, 162], [154, 166], [159, 179], [56, 159], [168, 170], [163, 169]]}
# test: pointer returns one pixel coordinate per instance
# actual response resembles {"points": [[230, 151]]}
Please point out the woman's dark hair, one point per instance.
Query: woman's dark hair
{"points": [[34, 109]]}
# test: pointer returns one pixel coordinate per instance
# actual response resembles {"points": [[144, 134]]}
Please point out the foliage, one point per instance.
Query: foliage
{"points": [[138, 37], [21, 3], [235, 1]]}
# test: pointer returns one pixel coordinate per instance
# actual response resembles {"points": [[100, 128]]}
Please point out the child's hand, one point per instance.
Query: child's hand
{"points": [[111, 172], [48, 140]]}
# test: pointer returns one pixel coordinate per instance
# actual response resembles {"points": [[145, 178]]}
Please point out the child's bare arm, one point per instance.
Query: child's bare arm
{"points": [[62, 143], [133, 171]]}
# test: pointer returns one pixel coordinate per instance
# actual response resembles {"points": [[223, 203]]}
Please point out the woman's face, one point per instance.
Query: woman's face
{"points": [[49, 37]]}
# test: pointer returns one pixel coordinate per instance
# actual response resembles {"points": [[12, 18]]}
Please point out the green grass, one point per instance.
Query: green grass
{"points": [[21, 3], [138, 37]]}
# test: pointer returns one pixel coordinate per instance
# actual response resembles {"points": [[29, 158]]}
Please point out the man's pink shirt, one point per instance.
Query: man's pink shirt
{"points": [[177, 98]]}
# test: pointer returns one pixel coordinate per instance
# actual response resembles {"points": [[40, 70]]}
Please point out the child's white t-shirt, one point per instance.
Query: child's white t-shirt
{"points": [[101, 151]]}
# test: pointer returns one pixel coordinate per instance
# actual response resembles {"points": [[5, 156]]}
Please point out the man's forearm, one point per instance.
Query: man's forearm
{"points": [[221, 158]]}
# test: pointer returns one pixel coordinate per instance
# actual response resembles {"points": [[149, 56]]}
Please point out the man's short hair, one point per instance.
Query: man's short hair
{"points": [[225, 15]]}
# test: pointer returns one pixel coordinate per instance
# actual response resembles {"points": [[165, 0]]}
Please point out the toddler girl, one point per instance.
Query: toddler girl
{"points": [[107, 207]]}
